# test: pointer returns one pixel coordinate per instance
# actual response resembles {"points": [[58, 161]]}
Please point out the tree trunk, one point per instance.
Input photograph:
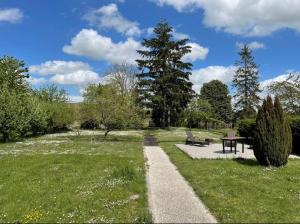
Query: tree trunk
{"points": [[5, 136]]}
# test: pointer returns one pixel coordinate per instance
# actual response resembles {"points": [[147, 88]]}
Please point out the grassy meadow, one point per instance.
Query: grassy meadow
{"points": [[74, 178]]}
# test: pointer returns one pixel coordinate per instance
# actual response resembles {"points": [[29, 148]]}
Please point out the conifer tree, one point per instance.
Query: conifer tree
{"points": [[273, 137], [246, 84], [164, 79]]}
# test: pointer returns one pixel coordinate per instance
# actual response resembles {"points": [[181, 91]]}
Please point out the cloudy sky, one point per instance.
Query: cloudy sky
{"points": [[73, 42]]}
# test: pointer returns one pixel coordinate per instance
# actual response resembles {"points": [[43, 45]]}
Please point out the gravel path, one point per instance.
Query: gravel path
{"points": [[215, 151], [171, 199]]}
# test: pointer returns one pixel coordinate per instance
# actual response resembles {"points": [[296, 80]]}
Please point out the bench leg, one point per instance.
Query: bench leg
{"points": [[223, 146]]}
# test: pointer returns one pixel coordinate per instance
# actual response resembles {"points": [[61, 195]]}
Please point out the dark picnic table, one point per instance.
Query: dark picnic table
{"points": [[234, 140]]}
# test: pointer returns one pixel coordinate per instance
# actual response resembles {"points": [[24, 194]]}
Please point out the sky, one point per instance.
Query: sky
{"points": [[72, 43]]}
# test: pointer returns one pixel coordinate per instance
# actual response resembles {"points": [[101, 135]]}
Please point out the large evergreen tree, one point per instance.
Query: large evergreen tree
{"points": [[246, 83], [217, 94], [164, 78]]}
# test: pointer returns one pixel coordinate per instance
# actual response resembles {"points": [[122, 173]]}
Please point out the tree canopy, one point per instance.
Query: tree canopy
{"points": [[288, 92], [217, 94]]}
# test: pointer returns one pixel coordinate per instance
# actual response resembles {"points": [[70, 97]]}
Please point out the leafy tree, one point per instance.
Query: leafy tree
{"points": [[217, 95], [288, 92], [123, 76], [13, 74], [52, 93], [59, 114], [12, 112], [273, 137], [164, 79], [246, 83], [198, 110], [110, 108], [13, 93]]}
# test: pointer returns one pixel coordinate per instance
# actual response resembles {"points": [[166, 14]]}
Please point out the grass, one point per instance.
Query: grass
{"points": [[240, 190], [179, 135], [69, 178]]}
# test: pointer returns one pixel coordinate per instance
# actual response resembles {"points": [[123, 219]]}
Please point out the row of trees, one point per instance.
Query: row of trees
{"points": [[165, 88], [26, 111], [166, 91], [159, 86]]}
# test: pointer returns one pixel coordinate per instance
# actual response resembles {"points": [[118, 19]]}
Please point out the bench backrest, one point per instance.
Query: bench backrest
{"points": [[189, 134], [231, 134]]}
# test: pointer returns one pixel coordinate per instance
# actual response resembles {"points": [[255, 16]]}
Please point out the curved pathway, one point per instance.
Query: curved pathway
{"points": [[171, 199]]}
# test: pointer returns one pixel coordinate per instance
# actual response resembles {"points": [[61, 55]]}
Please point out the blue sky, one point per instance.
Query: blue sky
{"points": [[73, 42]]}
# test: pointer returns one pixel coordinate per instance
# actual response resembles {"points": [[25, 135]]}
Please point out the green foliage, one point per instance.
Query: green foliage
{"points": [[288, 92], [217, 94], [13, 73], [273, 137], [295, 127], [164, 83], [111, 108], [13, 116], [13, 94], [246, 83], [247, 127], [57, 113], [198, 110]]}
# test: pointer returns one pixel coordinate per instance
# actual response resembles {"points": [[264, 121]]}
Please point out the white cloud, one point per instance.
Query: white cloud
{"points": [[244, 17], [79, 78], [91, 44], [198, 53], [109, 17], [253, 45], [12, 15], [58, 67], [280, 78], [36, 81], [179, 5], [65, 72], [75, 99], [204, 75]]}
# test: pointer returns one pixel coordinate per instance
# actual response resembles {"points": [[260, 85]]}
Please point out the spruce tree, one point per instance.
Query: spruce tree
{"points": [[164, 79], [273, 137], [246, 84]]}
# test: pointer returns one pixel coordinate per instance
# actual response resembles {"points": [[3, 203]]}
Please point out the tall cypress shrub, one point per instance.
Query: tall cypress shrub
{"points": [[273, 137]]}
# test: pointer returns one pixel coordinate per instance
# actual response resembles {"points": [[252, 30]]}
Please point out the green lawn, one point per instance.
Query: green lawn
{"points": [[241, 190], [179, 135], [74, 179]]}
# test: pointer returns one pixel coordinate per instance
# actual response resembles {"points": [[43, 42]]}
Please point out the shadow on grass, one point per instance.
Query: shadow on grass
{"points": [[246, 162]]}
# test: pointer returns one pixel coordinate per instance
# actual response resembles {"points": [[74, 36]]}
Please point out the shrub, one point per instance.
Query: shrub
{"points": [[247, 127], [295, 127], [273, 137], [90, 124]]}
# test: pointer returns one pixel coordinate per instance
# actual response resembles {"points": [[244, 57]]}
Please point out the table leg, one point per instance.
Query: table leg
{"points": [[223, 146], [235, 143], [230, 145], [243, 146]]}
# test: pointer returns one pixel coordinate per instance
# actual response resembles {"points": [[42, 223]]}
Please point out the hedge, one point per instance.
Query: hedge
{"points": [[246, 128]]}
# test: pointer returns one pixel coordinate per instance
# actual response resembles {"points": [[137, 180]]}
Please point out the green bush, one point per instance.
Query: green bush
{"points": [[246, 127], [295, 127], [273, 137]]}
